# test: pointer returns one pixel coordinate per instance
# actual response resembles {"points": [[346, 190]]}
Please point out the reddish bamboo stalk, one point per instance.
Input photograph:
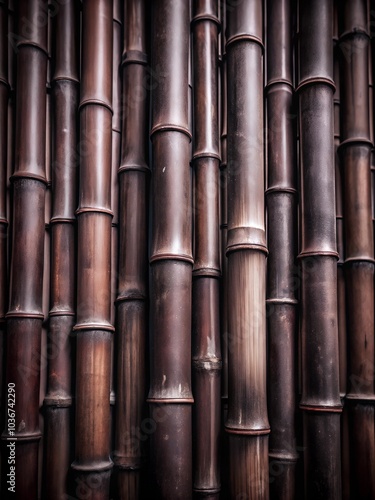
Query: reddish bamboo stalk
{"points": [[132, 426], [25, 315], [58, 400], [320, 400], [282, 243], [171, 259], [359, 244], [206, 269], [247, 421], [94, 330]]}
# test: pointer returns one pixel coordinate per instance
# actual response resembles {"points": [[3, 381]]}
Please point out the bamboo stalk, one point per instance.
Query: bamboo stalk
{"points": [[92, 463], [341, 299], [58, 400], [282, 242], [25, 315], [355, 152], [171, 259], [247, 421], [206, 269], [4, 103], [116, 145], [132, 425], [320, 400]]}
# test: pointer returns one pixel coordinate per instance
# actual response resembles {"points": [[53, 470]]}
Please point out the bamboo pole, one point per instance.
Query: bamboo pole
{"points": [[320, 400], [58, 400], [247, 421], [206, 270], [92, 461], [355, 152], [282, 242], [25, 315], [341, 299], [4, 103], [132, 425], [171, 259]]}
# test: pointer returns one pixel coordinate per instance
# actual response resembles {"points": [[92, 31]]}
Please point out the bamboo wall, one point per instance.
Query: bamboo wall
{"points": [[187, 207]]}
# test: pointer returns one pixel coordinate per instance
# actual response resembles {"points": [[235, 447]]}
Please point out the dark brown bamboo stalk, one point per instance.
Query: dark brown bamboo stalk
{"points": [[282, 243], [58, 400], [132, 426], [341, 299], [4, 102], [206, 269], [320, 400], [116, 145], [355, 152], [247, 421], [25, 315], [171, 259], [93, 464]]}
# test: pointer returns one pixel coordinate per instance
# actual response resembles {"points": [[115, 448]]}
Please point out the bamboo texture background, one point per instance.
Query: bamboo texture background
{"points": [[187, 207]]}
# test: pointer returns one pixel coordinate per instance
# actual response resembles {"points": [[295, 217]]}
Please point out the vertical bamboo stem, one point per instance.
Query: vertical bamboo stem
{"points": [[58, 400], [94, 330], [25, 315], [355, 152], [171, 259], [206, 269], [320, 400], [132, 426], [4, 103], [282, 242], [247, 421]]}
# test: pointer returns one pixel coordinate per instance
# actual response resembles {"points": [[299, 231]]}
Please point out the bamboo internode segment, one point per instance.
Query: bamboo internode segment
{"points": [[58, 399], [206, 270], [94, 213], [320, 356], [171, 253], [132, 314], [25, 316], [247, 420], [281, 196], [355, 152]]}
